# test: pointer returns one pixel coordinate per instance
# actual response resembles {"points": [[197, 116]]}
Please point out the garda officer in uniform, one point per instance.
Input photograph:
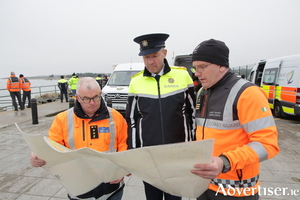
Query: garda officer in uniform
{"points": [[160, 108], [236, 114], [63, 86], [90, 124], [14, 88], [25, 86]]}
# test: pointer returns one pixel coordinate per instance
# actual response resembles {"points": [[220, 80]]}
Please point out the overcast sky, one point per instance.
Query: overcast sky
{"points": [[43, 37]]}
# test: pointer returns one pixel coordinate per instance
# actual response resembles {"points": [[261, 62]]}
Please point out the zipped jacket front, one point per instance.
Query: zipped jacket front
{"points": [[160, 110], [90, 132]]}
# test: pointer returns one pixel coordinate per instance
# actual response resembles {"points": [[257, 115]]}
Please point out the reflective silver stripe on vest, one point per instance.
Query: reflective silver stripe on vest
{"points": [[228, 123], [70, 120], [249, 127], [132, 122], [217, 124], [112, 131], [251, 182], [230, 100]]}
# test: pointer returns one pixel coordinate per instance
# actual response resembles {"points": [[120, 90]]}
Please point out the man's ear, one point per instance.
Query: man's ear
{"points": [[223, 68], [165, 52]]}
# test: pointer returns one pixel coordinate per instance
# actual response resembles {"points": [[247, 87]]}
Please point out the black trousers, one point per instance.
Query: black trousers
{"points": [[152, 193], [26, 95], [62, 93], [17, 95], [211, 195]]}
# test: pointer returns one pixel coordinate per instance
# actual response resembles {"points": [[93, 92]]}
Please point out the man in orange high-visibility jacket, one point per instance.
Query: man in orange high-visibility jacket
{"points": [[14, 88], [90, 124], [236, 114], [25, 86]]}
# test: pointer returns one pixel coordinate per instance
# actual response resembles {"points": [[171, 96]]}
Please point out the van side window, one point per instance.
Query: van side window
{"points": [[269, 77]]}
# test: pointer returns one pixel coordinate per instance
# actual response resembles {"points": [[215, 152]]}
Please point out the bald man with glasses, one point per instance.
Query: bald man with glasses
{"points": [[90, 124]]}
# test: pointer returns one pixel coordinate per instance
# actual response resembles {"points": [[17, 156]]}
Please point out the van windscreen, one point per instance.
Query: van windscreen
{"points": [[121, 78]]}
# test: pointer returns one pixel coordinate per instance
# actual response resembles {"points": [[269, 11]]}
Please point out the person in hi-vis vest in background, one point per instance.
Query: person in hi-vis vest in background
{"points": [[63, 86], [14, 88], [73, 83], [25, 86]]}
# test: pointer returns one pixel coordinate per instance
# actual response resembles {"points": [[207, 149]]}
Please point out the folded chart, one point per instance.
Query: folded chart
{"points": [[166, 167]]}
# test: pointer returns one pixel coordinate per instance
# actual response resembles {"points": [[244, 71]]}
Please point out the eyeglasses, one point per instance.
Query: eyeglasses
{"points": [[199, 69], [88, 100]]}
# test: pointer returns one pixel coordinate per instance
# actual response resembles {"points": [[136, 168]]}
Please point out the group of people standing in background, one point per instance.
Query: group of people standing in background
{"points": [[64, 84], [101, 80], [15, 85]]}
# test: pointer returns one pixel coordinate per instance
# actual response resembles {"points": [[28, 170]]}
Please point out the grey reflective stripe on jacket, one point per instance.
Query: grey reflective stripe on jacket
{"points": [[70, 121], [228, 123]]}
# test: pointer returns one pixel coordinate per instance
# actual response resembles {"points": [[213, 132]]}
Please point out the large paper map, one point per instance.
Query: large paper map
{"points": [[166, 167]]}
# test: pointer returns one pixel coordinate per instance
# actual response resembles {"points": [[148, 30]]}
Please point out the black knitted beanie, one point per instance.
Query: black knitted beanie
{"points": [[213, 51]]}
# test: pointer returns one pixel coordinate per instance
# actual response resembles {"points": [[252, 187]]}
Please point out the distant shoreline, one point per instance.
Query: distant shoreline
{"points": [[57, 77]]}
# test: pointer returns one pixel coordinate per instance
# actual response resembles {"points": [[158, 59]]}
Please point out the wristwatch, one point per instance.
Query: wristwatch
{"points": [[226, 164]]}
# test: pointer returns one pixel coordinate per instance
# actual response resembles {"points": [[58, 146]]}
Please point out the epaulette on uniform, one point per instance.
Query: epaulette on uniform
{"points": [[179, 67]]}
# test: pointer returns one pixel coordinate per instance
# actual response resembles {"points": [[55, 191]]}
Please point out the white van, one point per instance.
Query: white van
{"points": [[280, 79], [116, 88]]}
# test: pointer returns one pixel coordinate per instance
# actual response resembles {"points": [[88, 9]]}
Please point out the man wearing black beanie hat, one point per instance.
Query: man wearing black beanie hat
{"points": [[236, 114]]}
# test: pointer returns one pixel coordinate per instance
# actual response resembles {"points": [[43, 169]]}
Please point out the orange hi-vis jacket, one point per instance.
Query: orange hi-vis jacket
{"points": [[95, 133], [25, 84], [13, 84], [106, 131], [236, 114]]}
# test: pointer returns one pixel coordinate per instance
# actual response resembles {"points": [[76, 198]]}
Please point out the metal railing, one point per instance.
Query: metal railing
{"points": [[245, 69], [43, 94]]}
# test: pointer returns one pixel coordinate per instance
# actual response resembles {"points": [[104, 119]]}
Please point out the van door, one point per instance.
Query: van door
{"points": [[259, 73], [270, 83]]}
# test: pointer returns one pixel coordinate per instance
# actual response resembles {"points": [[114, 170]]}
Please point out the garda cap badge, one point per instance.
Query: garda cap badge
{"points": [[145, 43], [171, 80]]}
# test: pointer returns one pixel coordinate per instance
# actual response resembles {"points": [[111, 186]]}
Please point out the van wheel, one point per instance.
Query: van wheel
{"points": [[278, 112]]}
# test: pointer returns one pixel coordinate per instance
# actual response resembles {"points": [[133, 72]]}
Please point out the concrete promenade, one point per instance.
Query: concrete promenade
{"points": [[20, 181]]}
